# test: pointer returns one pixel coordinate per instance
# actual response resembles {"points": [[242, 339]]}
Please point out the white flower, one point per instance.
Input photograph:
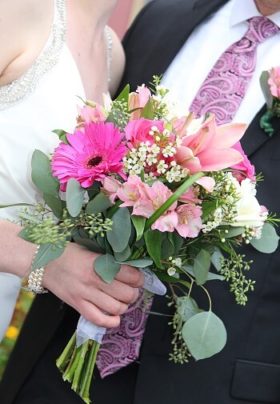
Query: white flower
{"points": [[249, 212]]}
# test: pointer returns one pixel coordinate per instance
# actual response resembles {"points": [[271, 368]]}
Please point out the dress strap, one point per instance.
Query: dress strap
{"points": [[18, 89], [109, 41]]}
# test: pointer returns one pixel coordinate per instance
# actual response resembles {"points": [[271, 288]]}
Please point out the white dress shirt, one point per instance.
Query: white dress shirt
{"points": [[207, 43]]}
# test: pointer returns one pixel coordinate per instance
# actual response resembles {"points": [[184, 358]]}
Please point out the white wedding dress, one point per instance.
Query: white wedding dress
{"points": [[43, 99]]}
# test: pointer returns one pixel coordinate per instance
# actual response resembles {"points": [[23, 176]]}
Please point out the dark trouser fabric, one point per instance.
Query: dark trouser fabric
{"points": [[45, 385]]}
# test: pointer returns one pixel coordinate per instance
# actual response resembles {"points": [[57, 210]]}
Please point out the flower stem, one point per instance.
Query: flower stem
{"points": [[78, 371], [65, 357], [173, 198], [86, 382]]}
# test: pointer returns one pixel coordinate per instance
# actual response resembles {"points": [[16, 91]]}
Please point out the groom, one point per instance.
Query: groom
{"points": [[183, 40]]}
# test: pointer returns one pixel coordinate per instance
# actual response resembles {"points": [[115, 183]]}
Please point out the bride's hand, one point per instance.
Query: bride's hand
{"points": [[73, 279]]}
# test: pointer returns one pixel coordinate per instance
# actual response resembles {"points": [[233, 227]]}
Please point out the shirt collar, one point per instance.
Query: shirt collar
{"points": [[243, 10]]}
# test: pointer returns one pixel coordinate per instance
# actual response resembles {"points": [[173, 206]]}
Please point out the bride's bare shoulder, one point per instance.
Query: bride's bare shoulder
{"points": [[24, 26]]}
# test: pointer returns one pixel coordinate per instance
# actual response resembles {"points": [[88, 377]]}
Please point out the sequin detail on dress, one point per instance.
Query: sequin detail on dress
{"points": [[16, 91]]}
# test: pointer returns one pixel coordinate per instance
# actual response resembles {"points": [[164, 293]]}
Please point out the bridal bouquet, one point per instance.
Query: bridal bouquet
{"points": [[146, 186]]}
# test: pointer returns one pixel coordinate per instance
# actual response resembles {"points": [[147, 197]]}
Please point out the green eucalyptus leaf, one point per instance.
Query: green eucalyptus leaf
{"points": [[55, 204], [215, 277], [141, 263], [106, 267], [41, 174], [153, 239], [201, 266], [204, 334], [124, 255], [266, 89], [74, 197], [216, 259], [186, 307], [139, 225], [268, 243], [100, 203], [119, 235], [46, 253], [234, 232], [61, 135]]}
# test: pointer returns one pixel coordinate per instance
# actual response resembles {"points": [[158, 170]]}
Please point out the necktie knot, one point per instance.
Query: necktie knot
{"points": [[260, 29]]}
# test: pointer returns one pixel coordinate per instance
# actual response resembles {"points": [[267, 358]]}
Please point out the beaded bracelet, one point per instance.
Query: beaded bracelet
{"points": [[33, 282]]}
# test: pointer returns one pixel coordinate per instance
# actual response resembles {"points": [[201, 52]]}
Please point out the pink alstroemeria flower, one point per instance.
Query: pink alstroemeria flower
{"points": [[190, 223], [91, 113], [245, 168], [111, 187], [93, 152], [274, 81], [138, 100], [210, 148], [138, 131], [132, 192]]}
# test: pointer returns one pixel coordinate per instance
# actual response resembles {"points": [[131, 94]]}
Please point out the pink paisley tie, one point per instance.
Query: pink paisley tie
{"points": [[227, 82], [121, 345]]}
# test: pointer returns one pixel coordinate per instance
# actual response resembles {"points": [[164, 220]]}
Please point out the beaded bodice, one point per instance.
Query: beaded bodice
{"points": [[18, 89]]}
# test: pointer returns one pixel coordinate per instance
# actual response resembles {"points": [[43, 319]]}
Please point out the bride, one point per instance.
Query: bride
{"points": [[51, 52]]}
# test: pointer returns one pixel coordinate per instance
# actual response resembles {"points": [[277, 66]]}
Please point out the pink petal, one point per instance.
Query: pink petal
{"points": [[207, 183], [215, 160]]}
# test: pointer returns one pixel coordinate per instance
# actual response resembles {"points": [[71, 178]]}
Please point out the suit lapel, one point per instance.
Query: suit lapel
{"points": [[255, 137], [158, 35]]}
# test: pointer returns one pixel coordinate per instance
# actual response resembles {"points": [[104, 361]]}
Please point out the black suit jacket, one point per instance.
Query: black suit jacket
{"points": [[248, 369]]}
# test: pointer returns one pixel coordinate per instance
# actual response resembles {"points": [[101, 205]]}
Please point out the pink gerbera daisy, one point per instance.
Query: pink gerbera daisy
{"points": [[92, 153]]}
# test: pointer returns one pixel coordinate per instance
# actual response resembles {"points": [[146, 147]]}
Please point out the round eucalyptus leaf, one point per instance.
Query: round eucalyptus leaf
{"points": [[74, 197], [204, 334], [269, 240], [106, 267], [119, 235]]}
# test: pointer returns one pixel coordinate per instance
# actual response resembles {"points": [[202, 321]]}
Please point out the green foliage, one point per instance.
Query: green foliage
{"points": [[139, 225], [153, 239], [45, 254], [141, 263], [41, 174], [74, 197], [269, 240], [100, 203], [106, 267], [266, 89], [55, 204], [204, 334], [61, 135], [119, 235], [232, 269], [201, 266]]}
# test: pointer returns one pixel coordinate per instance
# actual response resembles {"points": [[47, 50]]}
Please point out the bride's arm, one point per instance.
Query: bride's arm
{"points": [[72, 278]]}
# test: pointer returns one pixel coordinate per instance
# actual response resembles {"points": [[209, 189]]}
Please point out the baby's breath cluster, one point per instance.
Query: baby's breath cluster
{"points": [[225, 197], [155, 159], [232, 269], [175, 263]]}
